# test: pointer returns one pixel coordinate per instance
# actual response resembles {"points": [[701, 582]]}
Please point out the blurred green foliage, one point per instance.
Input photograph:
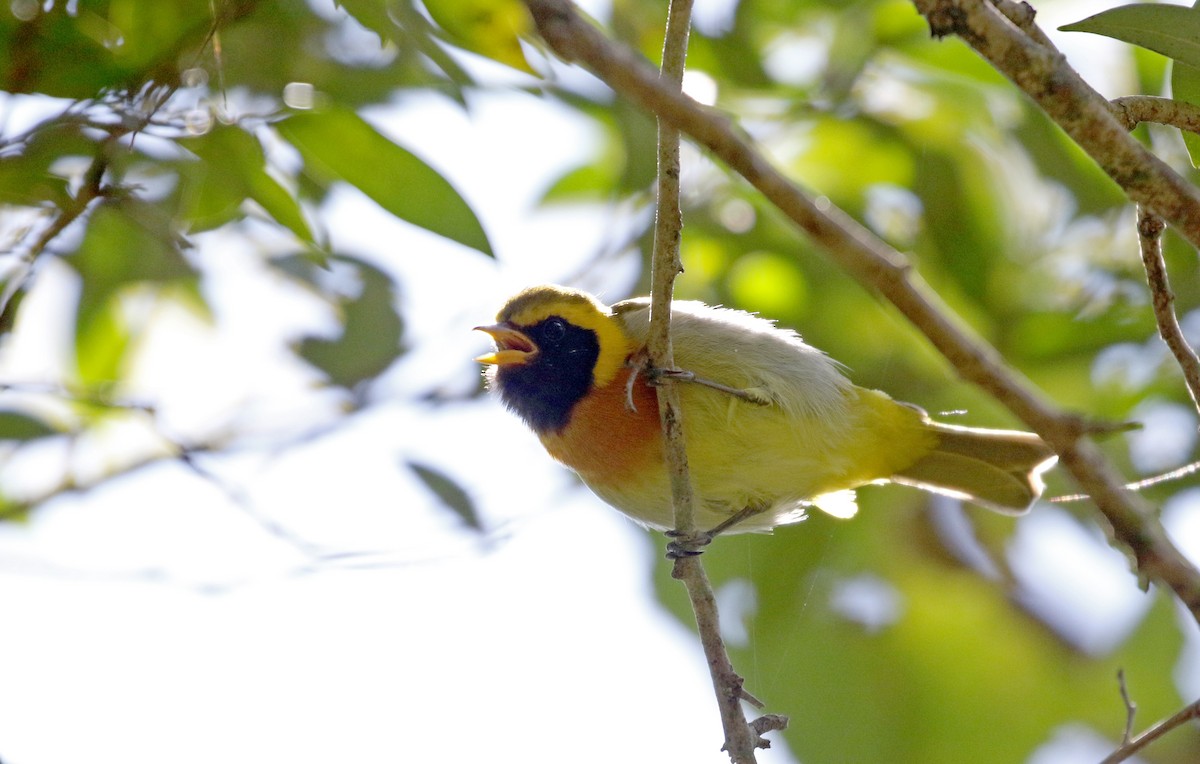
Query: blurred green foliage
{"points": [[161, 133]]}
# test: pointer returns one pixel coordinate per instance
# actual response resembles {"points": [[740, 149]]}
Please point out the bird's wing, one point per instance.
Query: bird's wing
{"points": [[745, 352]]}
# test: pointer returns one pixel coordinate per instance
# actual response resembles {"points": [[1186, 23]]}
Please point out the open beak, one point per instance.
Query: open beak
{"points": [[512, 346]]}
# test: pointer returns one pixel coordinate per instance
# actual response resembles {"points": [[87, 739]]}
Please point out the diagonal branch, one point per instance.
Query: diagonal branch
{"points": [[881, 268], [1131, 747]]}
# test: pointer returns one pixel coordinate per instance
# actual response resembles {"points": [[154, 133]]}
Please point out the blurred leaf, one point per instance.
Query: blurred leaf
{"points": [[371, 331], [13, 511], [101, 343], [340, 145], [450, 492], [231, 170], [771, 282], [78, 50], [372, 14], [1172, 30], [25, 174], [16, 425], [491, 28], [302, 267], [952, 671], [126, 242], [834, 144], [1185, 86]]}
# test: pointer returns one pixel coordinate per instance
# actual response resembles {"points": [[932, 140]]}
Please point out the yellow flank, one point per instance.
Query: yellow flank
{"points": [[809, 439]]}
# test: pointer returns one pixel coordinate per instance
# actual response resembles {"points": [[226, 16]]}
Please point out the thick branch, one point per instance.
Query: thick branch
{"points": [[880, 267]]}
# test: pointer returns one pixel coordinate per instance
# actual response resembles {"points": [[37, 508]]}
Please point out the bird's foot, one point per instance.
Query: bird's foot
{"points": [[687, 544], [693, 543]]}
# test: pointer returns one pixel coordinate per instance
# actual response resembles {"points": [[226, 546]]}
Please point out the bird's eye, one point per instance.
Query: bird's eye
{"points": [[555, 329]]}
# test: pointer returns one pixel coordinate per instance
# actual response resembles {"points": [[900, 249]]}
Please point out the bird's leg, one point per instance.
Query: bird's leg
{"points": [[640, 362], [692, 544], [751, 394]]}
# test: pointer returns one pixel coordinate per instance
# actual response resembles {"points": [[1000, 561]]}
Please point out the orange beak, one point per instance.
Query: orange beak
{"points": [[512, 346]]}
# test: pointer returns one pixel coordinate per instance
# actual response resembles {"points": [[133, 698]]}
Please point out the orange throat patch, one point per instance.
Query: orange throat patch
{"points": [[604, 441]]}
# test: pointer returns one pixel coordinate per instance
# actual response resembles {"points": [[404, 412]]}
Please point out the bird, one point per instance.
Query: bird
{"points": [[773, 426]]}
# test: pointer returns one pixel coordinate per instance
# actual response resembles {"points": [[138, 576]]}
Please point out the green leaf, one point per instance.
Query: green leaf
{"points": [[102, 340], [231, 170], [371, 333], [1185, 86], [78, 50], [1172, 30], [491, 28], [126, 242], [12, 510], [372, 14], [954, 672], [25, 175], [450, 492], [16, 425], [340, 145]]}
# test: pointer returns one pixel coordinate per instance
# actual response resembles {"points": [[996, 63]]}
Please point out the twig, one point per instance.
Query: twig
{"points": [[878, 266], [1150, 227], [1130, 707], [740, 739], [1133, 110], [1129, 748], [91, 189], [1137, 485]]}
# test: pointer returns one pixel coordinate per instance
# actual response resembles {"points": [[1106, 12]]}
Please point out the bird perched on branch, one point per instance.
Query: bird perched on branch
{"points": [[772, 426]]}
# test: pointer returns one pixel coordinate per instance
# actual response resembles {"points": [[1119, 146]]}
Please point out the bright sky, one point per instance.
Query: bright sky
{"points": [[157, 620]]}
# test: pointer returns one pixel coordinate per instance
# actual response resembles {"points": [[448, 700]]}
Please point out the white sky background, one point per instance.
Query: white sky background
{"points": [[156, 620]]}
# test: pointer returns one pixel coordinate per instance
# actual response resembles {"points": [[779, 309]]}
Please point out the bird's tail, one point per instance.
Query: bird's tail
{"points": [[998, 469]]}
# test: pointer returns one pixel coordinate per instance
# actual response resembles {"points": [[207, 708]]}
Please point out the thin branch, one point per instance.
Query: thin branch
{"points": [[665, 265], [1133, 110], [740, 739], [91, 189], [1150, 228], [881, 268], [1130, 707], [1188, 712]]}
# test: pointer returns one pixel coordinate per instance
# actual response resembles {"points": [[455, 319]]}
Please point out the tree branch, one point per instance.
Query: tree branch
{"points": [[879, 267], [740, 739], [1150, 228], [1085, 115], [1131, 747], [1133, 110], [665, 265]]}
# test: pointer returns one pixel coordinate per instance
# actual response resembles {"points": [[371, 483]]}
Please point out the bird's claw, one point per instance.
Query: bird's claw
{"points": [[687, 544]]}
